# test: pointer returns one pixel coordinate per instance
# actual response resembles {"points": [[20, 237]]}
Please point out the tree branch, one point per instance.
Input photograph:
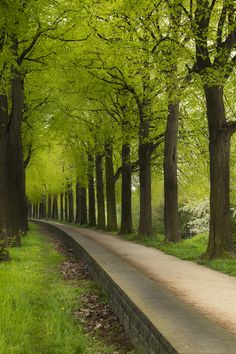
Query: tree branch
{"points": [[221, 26], [29, 48], [159, 139], [29, 154], [231, 127], [118, 173]]}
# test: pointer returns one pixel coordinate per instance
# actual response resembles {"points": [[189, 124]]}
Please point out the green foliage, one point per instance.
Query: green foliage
{"points": [[46, 173], [94, 63]]}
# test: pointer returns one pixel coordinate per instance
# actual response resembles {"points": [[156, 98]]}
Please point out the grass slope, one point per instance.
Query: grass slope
{"points": [[36, 304]]}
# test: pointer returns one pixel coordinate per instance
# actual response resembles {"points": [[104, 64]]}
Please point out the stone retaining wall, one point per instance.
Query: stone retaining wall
{"points": [[142, 333]]}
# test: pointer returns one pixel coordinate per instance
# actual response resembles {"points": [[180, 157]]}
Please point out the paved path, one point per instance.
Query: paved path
{"points": [[192, 306]]}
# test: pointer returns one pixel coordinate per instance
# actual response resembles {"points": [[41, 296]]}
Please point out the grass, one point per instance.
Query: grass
{"points": [[36, 304]]}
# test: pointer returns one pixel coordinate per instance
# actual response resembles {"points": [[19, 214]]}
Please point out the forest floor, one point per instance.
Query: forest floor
{"points": [[211, 293], [48, 305]]}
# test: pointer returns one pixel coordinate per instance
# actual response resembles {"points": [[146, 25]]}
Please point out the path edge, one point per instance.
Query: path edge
{"points": [[140, 330]]}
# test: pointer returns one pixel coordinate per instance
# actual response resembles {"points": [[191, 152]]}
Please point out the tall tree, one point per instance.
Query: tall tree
{"points": [[214, 69], [91, 191], [110, 189], [100, 192]]}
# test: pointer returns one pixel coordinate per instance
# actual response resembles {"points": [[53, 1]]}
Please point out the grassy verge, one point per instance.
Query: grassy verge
{"points": [[36, 304]]}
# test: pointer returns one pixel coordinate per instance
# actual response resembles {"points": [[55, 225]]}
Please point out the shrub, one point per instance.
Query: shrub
{"points": [[194, 218]]}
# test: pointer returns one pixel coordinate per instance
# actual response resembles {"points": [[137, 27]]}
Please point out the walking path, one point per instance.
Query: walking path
{"points": [[192, 306]]}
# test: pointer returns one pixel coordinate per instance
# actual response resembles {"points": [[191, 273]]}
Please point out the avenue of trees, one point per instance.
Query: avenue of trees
{"points": [[112, 110]]}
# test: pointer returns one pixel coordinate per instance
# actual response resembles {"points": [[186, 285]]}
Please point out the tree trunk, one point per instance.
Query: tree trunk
{"points": [[14, 215], [84, 217], [78, 204], [3, 158], [220, 235], [61, 207], [30, 211], [91, 192], [170, 175], [66, 207], [49, 207], [145, 151], [71, 204], [126, 194], [3, 175], [40, 210], [44, 214], [17, 115], [34, 211], [37, 210], [100, 193], [110, 191], [17, 211], [55, 208]]}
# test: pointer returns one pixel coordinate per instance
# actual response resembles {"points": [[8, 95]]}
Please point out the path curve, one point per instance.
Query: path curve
{"points": [[211, 292]]}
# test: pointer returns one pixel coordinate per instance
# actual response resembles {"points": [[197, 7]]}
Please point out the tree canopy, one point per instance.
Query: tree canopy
{"points": [[127, 104]]}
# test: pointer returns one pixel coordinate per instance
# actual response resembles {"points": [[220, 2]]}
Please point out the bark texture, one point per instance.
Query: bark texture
{"points": [[71, 204], [66, 206], [16, 204], [126, 193], [62, 207], [42, 208], [145, 152], [101, 223], [30, 211], [78, 204], [110, 190], [3, 172], [91, 192], [55, 207], [84, 215], [170, 175], [49, 213], [220, 235], [220, 131]]}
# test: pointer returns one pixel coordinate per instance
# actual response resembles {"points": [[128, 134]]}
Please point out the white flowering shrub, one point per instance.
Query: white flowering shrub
{"points": [[196, 218]]}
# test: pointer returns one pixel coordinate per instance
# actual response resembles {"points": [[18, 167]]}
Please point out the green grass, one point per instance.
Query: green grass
{"points": [[36, 304], [190, 249]]}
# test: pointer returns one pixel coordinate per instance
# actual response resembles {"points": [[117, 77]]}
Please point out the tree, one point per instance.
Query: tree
{"points": [[91, 191], [100, 192], [215, 68], [20, 33], [110, 189]]}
